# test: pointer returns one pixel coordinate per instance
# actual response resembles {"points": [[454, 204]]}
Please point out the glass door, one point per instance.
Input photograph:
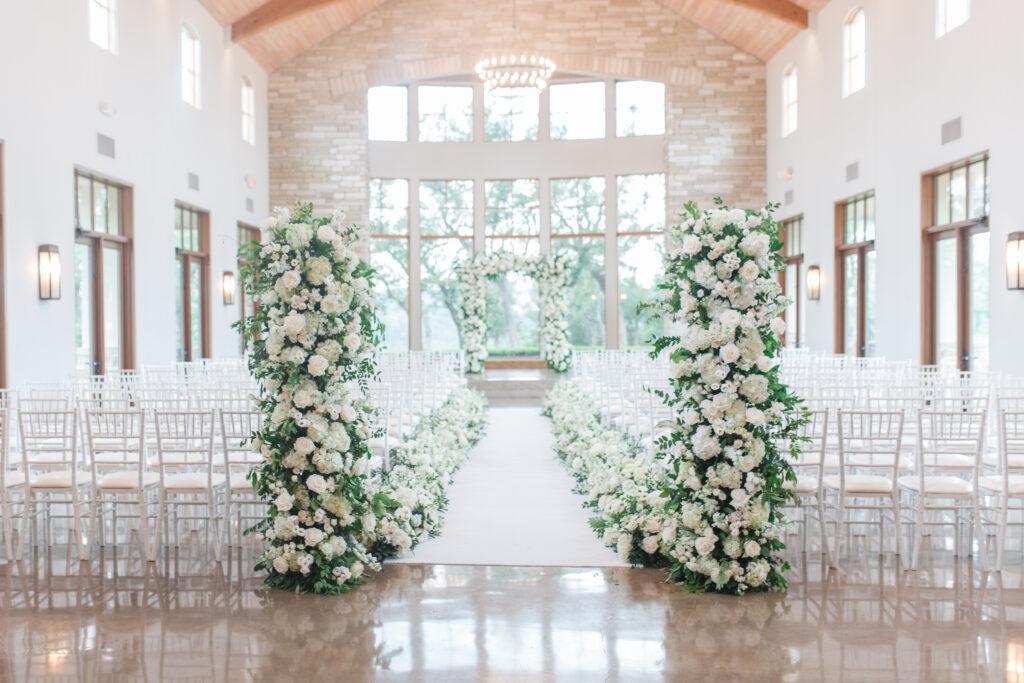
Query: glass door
{"points": [[946, 303], [84, 357], [978, 301]]}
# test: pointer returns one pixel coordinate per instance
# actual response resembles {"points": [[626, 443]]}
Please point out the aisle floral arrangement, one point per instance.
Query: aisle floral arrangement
{"points": [[551, 272], [727, 473], [416, 486], [312, 340], [622, 484]]}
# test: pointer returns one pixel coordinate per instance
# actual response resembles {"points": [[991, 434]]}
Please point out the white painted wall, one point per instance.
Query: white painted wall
{"points": [[51, 81], [915, 83]]}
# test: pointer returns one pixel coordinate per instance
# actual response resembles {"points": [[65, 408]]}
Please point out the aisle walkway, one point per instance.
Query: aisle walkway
{"points": [[512, 503]]}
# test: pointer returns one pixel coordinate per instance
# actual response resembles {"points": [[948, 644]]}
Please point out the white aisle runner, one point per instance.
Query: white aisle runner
{"points": [[512, 503]]}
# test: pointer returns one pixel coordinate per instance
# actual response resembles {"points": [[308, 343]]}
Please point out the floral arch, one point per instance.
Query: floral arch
{"points": [[551, 273]]}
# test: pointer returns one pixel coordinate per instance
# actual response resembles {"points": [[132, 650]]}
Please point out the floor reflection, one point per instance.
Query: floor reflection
{"points": [[117, 618]]}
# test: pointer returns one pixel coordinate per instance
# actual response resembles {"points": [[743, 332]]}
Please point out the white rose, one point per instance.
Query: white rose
{"points": [[749, 271], [691, 245], [352, 342], [294, 323], [778, 326], [650, 544], [291, 279], [730, 353], [313, 536], [316, 484], [705, 544], [755, 417], [268, 222], [764, 363], [280, 564], [317, 365], [751, 549], [347, 413], [730, 318], [304, 445], [325, 233], [284, 501]]}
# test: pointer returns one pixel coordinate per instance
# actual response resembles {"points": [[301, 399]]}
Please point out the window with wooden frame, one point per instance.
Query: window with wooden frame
{"points": [[854, 52], [446, 209], [639, 254], [855, 276], [790, 85], [791, 278], [247, 306], [389, 255], [192, 281], [578, 222], [955, 266], [104, 330]]}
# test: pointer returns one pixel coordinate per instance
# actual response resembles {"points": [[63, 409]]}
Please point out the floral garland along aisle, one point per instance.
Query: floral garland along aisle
{"points": [[709, 507], [551, 272], [417, 484], [312, 341]]}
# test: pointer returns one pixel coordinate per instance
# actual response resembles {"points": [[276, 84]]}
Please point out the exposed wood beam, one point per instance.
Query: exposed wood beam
{"points": [[273, 13], [787, 10]]}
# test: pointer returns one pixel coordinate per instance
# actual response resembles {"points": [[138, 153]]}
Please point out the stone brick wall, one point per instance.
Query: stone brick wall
{"points": [[715, 124]]}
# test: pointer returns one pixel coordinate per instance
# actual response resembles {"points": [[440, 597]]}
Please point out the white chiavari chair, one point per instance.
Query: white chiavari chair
{"points": [[121, 475], [238, 428], [1003, 493], [809, 469], [12, 481], [187, 480], [947, 467], [864, 491], [51, 463]]}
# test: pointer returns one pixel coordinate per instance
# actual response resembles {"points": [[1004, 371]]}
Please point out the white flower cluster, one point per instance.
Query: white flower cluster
{"points": [[622, 483], [421, 472], [313, 348], [730, 408], [551, 273]]}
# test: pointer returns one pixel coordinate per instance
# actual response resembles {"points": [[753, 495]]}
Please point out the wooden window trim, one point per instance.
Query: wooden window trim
{"points": [[794, 260], [931, 234], [97, 242], [184, 258], [842, 251]]}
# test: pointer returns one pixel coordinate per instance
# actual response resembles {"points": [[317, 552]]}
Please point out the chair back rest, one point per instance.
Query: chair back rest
{"points": [[949, 433], [1011, 428], [870, 441], [185, 439], [116, 439], [238, 427], [48, 438]]}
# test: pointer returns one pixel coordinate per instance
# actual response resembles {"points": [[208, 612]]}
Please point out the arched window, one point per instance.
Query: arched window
{"points": [[789, 100], [949, 14], [854, 49], [103, 24], [248, 111], [190, 61]]}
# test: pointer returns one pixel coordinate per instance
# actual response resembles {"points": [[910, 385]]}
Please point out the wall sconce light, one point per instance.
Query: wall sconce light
{"points": [[228, 285], [814, 283], [49, 272], [1015, 260]]}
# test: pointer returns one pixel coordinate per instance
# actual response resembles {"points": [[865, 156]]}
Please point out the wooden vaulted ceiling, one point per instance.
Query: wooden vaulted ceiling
{"points": [[274, 31]]}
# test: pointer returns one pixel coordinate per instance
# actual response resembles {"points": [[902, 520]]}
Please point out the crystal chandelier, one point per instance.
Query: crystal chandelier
{"points": [[512, 71]]}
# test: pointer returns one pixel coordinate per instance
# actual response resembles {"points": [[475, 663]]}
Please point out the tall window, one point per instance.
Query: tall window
{"points": [[949, 14], [577, 110], [789, 100], [389, 255], [639, 108], [248, 111], [246, 306], [387, 109], [446, 113], [854, 49], [792, 277], [578, 229], [192, 247], [641, 210], [513, 307], [855, 275], [446, 234], [103, 24], [511, 114], [103, 238], [956, 266], [190, 65]]}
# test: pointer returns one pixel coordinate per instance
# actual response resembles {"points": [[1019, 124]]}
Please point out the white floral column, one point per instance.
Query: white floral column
{"points": [[312, 342], [732, 412]]}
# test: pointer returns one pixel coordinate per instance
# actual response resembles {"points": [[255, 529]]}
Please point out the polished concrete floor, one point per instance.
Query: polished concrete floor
{"points": [[187, 618]]}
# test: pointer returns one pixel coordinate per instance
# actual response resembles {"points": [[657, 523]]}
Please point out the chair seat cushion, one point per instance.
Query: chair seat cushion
{"points": [[127, 480], [1014, 460], [956, 460], [240, 483], [57, 479], [13, 478], [994, 482], [191, 481], [938, 485], [861, 483], [805, 485], [864, 460]]}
